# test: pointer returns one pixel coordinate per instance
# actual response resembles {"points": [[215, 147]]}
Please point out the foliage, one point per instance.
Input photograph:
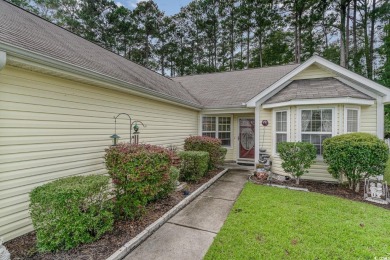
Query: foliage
{"points": [[222, 155], [297, 157], [194, 165], [355, 156], [71, 211], [272, 223], [140, 173], [206, 144], [386, 176], [170, 186]]}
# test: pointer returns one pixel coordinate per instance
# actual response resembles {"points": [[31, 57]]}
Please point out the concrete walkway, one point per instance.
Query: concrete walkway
{"points": [[189, 234]]}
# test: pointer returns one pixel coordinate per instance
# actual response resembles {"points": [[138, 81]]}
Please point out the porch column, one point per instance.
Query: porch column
{"points": [[257, 133]]}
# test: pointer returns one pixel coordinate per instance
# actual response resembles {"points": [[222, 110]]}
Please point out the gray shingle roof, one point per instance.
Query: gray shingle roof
{"points": [[29, 32], [316, 88], [231, 89]]}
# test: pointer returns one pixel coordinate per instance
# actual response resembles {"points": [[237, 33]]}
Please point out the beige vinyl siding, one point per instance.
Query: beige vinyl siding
{"points": [[52, 128], [368, 119], [312, 72], [266, 131]]}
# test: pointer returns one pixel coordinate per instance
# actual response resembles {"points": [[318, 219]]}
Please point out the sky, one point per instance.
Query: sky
{"points": [[170, 7]]}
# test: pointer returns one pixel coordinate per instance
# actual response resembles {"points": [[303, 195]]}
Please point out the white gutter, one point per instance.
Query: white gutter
{"points": [[51, 63], [322, 101]]}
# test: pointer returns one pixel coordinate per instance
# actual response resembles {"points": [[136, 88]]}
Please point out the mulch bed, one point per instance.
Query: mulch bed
{"points": [[24, 247], [334, 189]]}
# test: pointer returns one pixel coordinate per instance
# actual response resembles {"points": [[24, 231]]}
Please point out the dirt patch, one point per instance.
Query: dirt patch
{"points": [[334, 189], [24, 247]]}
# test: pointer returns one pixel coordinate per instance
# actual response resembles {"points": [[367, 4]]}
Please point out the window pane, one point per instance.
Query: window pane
{"points": [[225, 138], [210, 134], [352, 120], [224, 124], [281, 121], [281, 138], [316, 140], [316, 120], [209, 123]]}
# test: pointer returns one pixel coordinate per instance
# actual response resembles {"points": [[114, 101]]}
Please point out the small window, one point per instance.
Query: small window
{"points": [[217, 127], [352, 120], [281, 127]]}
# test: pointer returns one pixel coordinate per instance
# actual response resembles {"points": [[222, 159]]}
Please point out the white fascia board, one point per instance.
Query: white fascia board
{"points": [[41, 61], [343, 72], [228, 110], [3, 59], [252, 102], [322, 101]]}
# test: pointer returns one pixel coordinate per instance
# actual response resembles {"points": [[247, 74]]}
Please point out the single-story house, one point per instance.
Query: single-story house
{"points": [[59, 94]]}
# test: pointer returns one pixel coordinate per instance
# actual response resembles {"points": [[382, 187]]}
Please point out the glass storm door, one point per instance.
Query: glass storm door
{"points": [[247, 138]]}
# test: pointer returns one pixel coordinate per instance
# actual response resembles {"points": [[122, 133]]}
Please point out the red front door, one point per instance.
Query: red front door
{"points": [[247, 138]]}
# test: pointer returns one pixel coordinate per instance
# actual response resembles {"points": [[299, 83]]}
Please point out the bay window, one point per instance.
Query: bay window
{"points": [[218, 127], [316, 126]]}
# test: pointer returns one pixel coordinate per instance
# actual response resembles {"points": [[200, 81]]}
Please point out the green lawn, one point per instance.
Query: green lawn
{"points": [[274, 223]]}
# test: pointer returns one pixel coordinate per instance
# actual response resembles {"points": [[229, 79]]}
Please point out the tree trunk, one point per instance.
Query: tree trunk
{"points": [[366, 40], [248, 39], [355, 46], [357, 186], [343, 7], [297, 180], [347, 39], [297, 59], [260, 51], [370, 69]]}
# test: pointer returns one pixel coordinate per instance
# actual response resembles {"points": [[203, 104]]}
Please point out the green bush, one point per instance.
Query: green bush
{"points": [[71, 211], [355, 156], [140, 173], [205, 144], [222, 155], [297, 157], [194, 165], [170, 186]]}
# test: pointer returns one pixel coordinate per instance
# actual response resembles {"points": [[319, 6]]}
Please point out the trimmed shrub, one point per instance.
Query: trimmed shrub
{"points": [[355, 156], [140, 173], [205, 144], [194, 165], [71, 211], [170, 186], [297, 157], [222, 155]]}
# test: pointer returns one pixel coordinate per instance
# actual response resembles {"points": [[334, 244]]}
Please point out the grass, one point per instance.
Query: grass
{"points": [[274, 223]]}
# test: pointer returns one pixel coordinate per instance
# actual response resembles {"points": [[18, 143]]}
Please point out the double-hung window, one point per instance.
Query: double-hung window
{"points": [[316, 126], [281, 127], [351, 120], [218, 127]]}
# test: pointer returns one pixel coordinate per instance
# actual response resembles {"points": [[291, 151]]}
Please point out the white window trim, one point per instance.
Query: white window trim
{"points": [[274, 128], [346, 108], [217, 127], [299, 123]]}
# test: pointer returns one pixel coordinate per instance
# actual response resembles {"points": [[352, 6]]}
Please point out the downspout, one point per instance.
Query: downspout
{"points": [[3, 59]]}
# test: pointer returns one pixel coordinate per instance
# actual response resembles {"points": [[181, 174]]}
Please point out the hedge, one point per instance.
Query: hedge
{"points": [[140, 173], [355, 156], [206, 144], [194, 165], [170, 186], [71, 211]]}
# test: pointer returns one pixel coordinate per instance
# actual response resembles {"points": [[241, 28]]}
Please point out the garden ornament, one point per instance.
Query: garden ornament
{"points": [[376, 191]]}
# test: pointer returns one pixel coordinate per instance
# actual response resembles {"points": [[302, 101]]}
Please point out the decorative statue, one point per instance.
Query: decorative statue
{"points": [[376, 191], [4, 254]]}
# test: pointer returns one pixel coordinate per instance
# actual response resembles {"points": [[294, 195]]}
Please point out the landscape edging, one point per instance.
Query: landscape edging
{"points": [[137, 240]]}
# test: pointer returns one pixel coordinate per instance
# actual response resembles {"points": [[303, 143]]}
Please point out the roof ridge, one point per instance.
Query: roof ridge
{"points": [[221, 72]]}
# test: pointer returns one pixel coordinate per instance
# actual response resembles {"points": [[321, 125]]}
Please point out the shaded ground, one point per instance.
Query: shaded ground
{"points": [[334, 189], [24, 247], [273, 223]]}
